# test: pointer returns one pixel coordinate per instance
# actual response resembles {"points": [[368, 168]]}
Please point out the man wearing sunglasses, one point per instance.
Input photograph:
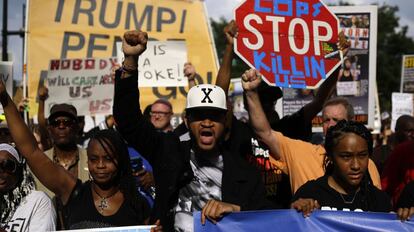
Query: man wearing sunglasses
{"points": [[21, 207], [63, 129]]}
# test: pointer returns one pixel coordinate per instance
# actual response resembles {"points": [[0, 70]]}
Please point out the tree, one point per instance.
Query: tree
{"points": [[392, 44]]}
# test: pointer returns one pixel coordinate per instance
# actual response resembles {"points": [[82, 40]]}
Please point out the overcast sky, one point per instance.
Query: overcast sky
{"points": [[215, 9]]}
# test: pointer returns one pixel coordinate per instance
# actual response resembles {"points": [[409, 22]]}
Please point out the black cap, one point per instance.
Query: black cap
{"points": [[63, 110]]}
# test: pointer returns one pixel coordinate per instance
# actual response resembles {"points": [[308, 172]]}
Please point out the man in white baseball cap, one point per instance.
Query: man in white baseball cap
{"points": [[193, 173]]}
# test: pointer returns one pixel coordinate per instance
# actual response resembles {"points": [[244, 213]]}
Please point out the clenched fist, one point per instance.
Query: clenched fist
{"points": [[134, 43]]}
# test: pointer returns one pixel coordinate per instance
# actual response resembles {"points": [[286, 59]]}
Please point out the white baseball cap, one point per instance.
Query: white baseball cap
{"points": [[206, 96]]}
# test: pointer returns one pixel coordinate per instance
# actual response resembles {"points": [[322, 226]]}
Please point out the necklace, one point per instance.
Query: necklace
{"points": [[104, 200], [348, 202], [66, 165]]}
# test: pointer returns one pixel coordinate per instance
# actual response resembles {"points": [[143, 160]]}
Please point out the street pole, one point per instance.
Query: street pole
{"points": [[4, 32]]}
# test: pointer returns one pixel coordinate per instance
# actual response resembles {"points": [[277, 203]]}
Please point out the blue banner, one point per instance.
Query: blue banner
{"points": [[290, 220]]}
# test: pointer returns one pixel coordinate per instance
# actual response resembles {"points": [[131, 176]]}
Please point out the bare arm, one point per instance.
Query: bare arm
{"points": [[54, 177], [328, 86], [250, 82], [190, 73], [324, 92], [224, 73]]}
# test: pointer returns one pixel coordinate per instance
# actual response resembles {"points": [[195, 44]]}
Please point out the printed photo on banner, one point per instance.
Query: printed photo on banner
{"points": [[162, 64], [407, 74], [356, 80], [85, 83]]}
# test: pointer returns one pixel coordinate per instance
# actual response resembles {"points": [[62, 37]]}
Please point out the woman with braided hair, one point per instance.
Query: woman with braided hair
{"points": [[109, 199], [21, 207], [346, 184]]}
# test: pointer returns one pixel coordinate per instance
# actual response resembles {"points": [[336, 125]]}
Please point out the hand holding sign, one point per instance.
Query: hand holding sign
{"points": [[134, 43], [251, 80]]}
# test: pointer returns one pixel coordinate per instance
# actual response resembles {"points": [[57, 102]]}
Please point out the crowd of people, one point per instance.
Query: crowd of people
{"points": [[136, 169]]}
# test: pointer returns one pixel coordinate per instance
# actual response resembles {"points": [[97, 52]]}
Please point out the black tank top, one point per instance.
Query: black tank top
{"points": [[81, 213]]}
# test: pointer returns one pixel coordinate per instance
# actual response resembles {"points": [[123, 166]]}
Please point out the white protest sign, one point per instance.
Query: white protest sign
{"points": [[6, 74], [161, 65], [83, 83], [345, 88], [402, 104]]}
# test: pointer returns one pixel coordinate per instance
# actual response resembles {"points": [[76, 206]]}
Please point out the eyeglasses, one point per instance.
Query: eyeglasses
{"points": [[8, 165], [65, 122], [159, 113]]}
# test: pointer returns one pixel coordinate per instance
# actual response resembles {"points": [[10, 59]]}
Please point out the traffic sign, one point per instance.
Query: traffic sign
{"points": [[292, 43]]}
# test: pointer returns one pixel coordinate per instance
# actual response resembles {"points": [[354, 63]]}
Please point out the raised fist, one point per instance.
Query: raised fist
{"points": [[134, 43], [43, 93], [251, 80], [189, 71], [230, 31]]}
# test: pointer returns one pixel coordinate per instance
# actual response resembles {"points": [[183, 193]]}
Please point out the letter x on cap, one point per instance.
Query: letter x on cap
{"points": [[206, 96]]}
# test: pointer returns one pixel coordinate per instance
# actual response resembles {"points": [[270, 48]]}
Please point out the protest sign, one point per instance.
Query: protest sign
{"points": [[290, 220], [162, 64], [356, 81], [292, 43], [6, 75], [402, 104], [68, 29], [83, 83], [407, 74]]}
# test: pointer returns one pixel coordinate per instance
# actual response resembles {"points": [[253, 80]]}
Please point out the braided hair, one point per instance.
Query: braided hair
{"points": [[334, 135], [112, 143], [12, 199]]}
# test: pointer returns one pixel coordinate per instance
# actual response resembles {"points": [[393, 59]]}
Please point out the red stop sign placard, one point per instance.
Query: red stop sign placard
{"points": [[292, 43]]}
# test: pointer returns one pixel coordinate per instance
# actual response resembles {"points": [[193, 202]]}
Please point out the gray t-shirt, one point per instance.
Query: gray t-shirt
{"points": [[205, 185]]}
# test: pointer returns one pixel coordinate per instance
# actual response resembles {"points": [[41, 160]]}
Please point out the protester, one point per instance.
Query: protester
{"points": [[161, 114], [22, 208], [303, 160], [404, 129], [63, 129], [190, 175], [109, 199], [405, 205], [241, 139], [399, 170], [346, 184]]}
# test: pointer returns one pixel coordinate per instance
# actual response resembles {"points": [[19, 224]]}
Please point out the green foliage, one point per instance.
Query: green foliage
{"points": [[393, 42]]}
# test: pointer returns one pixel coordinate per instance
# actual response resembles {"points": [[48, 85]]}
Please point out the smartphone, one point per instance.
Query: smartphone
{"points": [[136, 164]]}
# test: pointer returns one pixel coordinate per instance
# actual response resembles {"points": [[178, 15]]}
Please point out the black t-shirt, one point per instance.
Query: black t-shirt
{"points": [[406, 199], [81, 213], [243, 142], [319, 189]]}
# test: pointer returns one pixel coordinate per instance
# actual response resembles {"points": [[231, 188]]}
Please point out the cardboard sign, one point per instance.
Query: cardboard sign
{"points": [[407, 74], [292, 43], [83, 83], [402, 104], [162, 64], [90, 29]]}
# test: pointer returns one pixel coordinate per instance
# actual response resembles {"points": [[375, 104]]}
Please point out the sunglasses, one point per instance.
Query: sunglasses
{"points": [[8, 165], [65, 122]]}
